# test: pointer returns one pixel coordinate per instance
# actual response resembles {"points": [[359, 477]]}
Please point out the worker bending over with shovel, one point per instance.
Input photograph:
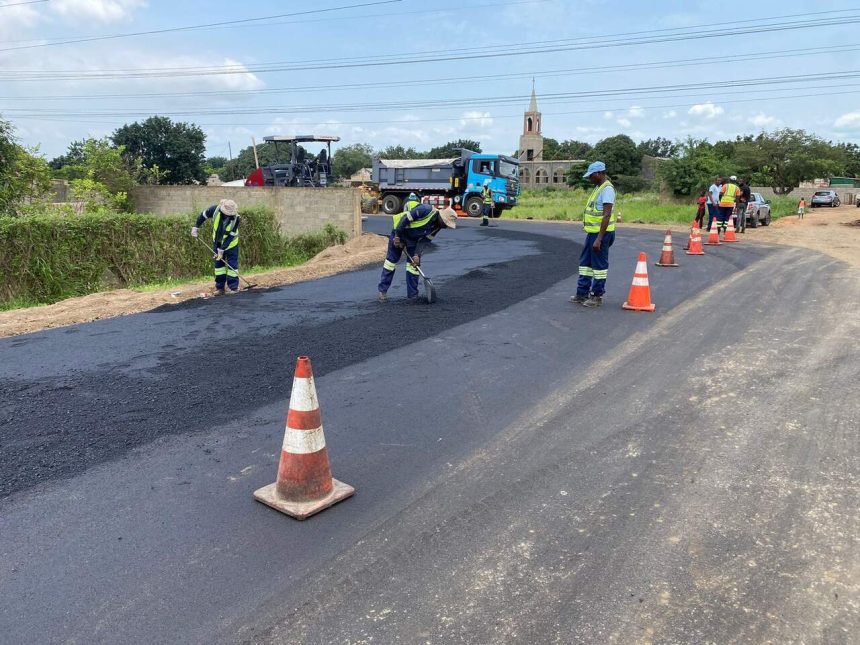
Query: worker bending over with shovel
{"points": [[225, 243], [411, 231]]}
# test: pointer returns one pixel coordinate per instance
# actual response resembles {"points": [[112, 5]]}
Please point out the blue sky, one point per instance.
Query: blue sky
{"points": [[426, 103]]}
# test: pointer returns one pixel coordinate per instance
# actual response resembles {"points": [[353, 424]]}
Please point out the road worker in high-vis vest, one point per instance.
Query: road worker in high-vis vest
{"points": [[599, 226], [411, 231], [486, 203], [225, 243]]}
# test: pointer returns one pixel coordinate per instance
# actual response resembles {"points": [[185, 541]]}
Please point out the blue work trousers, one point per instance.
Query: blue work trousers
{"points": [[725, 214], [227, 270], [392, 257], [594, 267], [713, 212]]}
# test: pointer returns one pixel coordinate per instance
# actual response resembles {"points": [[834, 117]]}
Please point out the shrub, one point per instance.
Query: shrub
{"points": [[49, 257]]}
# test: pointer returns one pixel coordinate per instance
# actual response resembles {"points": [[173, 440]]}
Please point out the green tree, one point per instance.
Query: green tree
{"points": [[569, 149], [659, 147], [399, 152], [176, 148], [24, 174], [349, 159], [73, 157], [694, 169], [450, 149], [215, 166], [620, 155]]}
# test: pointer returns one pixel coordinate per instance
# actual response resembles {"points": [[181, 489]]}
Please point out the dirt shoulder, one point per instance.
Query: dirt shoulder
{"points": [[834, 231], [363, 250]]}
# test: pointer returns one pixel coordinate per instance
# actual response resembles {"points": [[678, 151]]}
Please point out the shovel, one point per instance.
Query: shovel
{"points": [[250, 286], [429, 289]]}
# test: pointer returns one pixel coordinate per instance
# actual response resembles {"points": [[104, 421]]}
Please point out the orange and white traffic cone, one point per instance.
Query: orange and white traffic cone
{"points": [[304, 485], [687, 245], [696, 242], [714, 234], [730, 232], [667, 257], [639, 298]]}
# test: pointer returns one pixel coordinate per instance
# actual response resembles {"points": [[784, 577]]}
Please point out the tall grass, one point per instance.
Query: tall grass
{"points": [[637, 208], [49, 257]]}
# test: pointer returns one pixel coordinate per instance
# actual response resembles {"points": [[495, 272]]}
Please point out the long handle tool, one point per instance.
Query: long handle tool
{"points": [[429, 289], [250, 286]]}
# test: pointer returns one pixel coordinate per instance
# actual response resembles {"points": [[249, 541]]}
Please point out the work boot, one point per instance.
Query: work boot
{"points": [[578, 300], [382, 297], [231, 292], [218, 292], [485, 223], [593, 301], [412, 300]]}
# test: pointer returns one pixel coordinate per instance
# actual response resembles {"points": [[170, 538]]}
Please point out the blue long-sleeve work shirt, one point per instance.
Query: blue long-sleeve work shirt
{"points": [[419, 234], [222, 237]]}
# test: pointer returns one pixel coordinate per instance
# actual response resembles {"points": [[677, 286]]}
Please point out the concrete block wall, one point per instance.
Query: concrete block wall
{"points": [[298, 210]]}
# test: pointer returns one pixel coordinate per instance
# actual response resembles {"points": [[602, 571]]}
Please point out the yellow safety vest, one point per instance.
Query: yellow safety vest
{"points": [[728, 197], [591, 217], [487, 194], [228, 228], [407, 206]]}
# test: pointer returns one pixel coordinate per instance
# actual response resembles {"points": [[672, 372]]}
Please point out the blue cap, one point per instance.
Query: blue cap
{"points": [[597, 166]]}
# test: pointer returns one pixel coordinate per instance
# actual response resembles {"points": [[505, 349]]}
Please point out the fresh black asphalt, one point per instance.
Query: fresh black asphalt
{"points": [[526, 470]]}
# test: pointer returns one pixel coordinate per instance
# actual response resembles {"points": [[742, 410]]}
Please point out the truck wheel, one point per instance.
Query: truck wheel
{"points": [[391, 204], [474, 205], [767, 220], [497, 211]]}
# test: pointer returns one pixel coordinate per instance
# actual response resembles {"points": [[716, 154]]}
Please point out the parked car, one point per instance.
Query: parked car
{"points": [[758, 211], [825, 198]]}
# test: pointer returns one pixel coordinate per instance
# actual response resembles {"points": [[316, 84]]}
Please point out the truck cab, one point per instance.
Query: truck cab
{"points": [[503, 173]]}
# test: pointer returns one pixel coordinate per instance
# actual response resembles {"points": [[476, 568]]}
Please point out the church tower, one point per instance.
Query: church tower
{"points": [[531, 140]]}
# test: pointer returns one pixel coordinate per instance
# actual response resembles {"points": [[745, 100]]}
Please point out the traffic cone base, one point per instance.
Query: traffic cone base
{"points": [[268, 495], [667, 257], [639, 298], [714, 235], [304, 484]]}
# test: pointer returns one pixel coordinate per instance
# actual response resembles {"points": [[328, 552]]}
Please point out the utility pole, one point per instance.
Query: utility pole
{"points": [[229, 151]]}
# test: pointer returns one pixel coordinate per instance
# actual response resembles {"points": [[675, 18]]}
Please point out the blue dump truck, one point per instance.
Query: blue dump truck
{"points": [[460, 178]]}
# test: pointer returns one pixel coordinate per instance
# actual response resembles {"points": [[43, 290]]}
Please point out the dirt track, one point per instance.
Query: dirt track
{"points": [[828, 230]]}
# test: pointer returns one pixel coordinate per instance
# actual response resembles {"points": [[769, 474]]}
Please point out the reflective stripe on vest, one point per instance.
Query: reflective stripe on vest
{"points": [[228, 228], [407, 207], [728, 198], [591, 217], [487, 194], [423, 221]]}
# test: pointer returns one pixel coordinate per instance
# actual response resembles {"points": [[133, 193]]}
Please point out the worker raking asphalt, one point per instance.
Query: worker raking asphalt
{"points": [[58, 426]]}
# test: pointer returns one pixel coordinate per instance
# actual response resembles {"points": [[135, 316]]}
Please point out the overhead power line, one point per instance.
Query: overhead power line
{"points": [[458, 80], [482, 102], [604, 41], [18, 4], [223, 23]]}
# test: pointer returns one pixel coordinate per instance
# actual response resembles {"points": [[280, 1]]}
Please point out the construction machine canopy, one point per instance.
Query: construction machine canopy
{"points": [[293, 165], [303, 138]]}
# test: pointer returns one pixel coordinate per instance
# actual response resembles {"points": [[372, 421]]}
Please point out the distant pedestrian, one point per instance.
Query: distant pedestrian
{"points": [[801, 208], [728, 199], [741, 207], [714, 201], [487, 203], [700, 212], [599, 226], [225, 243]]}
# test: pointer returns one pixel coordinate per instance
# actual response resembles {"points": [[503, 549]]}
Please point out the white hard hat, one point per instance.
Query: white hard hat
{"points": [[733, 178], [228, 207]]}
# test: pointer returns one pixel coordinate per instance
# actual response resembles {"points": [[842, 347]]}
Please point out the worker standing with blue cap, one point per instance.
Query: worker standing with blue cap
{"points": [[599, 226]]}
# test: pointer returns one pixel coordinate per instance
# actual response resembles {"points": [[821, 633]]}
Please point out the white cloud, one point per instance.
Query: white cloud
{"points": [[635, 112], [624, 123], [476, 119], [608, 115], [15, 20], [706, 110], [671, 114], [848, 121], [762, 120], [103, 11]]}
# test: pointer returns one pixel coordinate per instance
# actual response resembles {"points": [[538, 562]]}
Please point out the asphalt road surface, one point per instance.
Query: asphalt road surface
{"points": [[526, 470]]}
